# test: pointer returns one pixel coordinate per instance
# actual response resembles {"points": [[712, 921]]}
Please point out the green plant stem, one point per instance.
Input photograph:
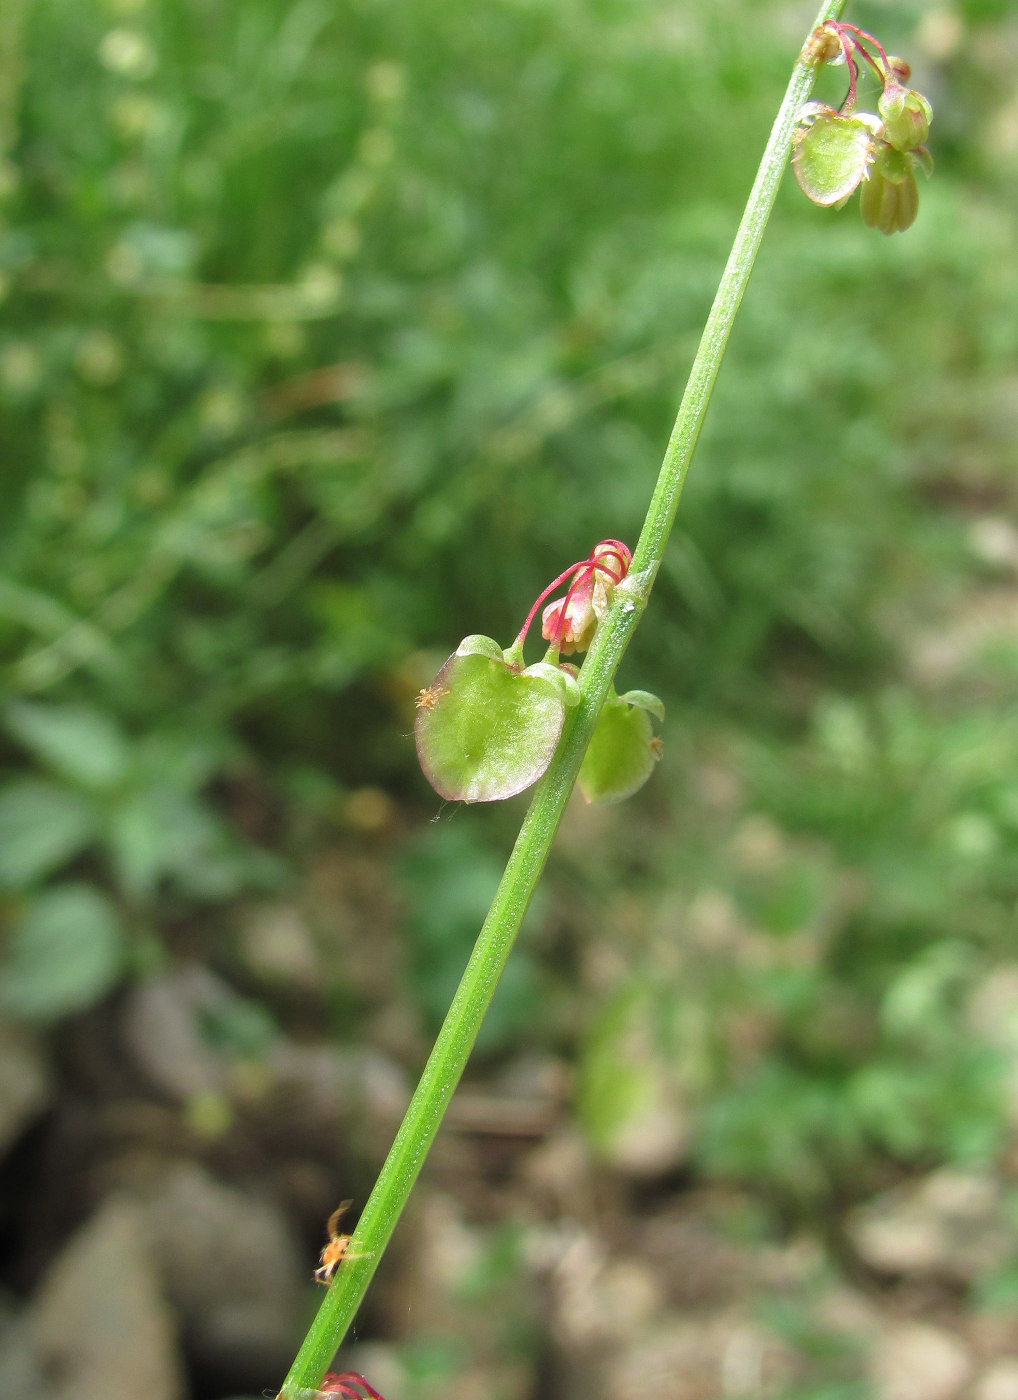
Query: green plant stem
{"points": [[462, 1023]]}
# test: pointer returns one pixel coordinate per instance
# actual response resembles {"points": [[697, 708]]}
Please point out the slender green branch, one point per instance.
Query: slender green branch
{"points": [[459, 1031]]}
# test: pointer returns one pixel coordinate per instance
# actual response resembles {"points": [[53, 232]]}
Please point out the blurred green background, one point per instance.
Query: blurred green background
{"points": [[330, 330]]}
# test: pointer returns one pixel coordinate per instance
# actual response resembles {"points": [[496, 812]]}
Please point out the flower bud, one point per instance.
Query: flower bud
{"points": [[890, 195], [907, 116], [898, 68], [822, 46], [571, 621]]}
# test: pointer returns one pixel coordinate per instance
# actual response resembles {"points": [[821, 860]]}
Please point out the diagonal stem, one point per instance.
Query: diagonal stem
{"points": [[459, 1030]]}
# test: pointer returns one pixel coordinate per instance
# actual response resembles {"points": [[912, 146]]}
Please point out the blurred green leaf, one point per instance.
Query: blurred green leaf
{"points": [[449, 880], [236, 1025], [64, 953], [76, 741], [619, 1077], [41, 827], [160, 831]]}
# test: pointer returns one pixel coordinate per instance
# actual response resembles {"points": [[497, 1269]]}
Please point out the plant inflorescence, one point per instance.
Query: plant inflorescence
{"points": [[839, 149], [488, 724]]}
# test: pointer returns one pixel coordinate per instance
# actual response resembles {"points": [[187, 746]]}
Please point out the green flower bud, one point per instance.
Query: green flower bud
{"points": [[907, 116], [897, 69], [890, 196]]}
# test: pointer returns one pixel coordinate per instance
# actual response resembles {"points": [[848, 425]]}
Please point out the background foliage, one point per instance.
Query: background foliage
{"points": [[329, 333]]}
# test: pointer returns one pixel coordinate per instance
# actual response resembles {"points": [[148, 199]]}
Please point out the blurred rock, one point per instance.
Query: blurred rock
{"points": [[599, 1299], [231, 1267], [449, 1249], [992, 1014], [999, 1381], [350, 900], [99, 1325], [380, 1363], [318, 1088], [701, 1359], [316, 1084], [758, 845], [994, 540], [719, 784], [536, 1077], [913, 1361], [276, 944], [843, 1309], [560, 1172], [19, 1365], [948, 1225], [713, 922], [655, 1139], [24, 1083], [162, 1032], [382, 1085], [980, 622], [699, 1265], [370, 810]]}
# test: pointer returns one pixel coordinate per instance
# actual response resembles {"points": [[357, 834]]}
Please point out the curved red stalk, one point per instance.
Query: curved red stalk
{"points": [[345, 1386], [555, 583], [862, 34], [851, 38], [846, 48], [581, 570], [623, 557], [620, 551], [582, 575]]}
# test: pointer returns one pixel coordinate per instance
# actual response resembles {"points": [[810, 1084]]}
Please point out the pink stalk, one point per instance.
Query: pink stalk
{"points": [[578, 572], [555, 583], [345, 1386], [846, 48], [579, 578], [851, 38], [862, 34]]}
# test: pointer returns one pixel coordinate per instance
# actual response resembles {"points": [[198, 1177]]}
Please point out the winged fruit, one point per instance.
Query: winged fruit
{"points": [[489, 726]]}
